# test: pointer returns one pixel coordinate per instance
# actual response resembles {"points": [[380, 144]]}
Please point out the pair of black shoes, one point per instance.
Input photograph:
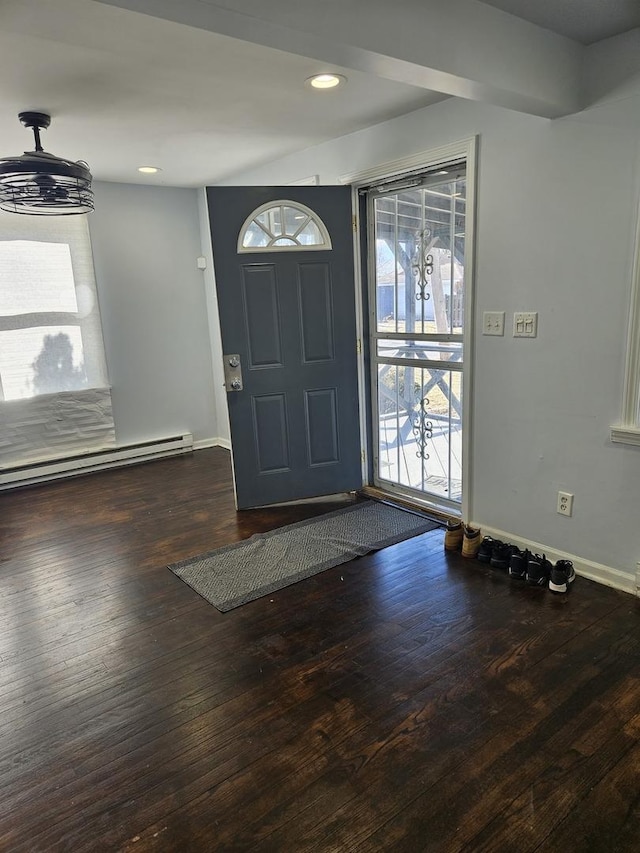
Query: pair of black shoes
{"points": [[495, 552], [533, 569]]}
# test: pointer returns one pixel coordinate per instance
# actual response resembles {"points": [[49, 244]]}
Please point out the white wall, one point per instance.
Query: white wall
{"points": [[556, 216], [145, 243]]}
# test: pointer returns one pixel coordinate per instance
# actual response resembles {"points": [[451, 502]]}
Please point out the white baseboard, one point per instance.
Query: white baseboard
{"points": [[223, 442], [625, 581], [204, 443]]}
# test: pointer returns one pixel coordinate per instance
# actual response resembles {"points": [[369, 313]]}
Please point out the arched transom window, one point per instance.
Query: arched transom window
{"points": [[283, 226]]}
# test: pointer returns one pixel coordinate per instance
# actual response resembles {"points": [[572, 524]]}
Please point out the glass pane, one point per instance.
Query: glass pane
{"points": [[270, 221], [420, 429], [263, 220], [310, 235], [276, 225], [36, 277], [255, 236], [284, 241], [41, 360], [294, 218], [431, 350], [420, 259]]}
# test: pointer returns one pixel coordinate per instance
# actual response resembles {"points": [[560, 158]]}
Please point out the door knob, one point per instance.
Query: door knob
{"points": [[232, 371]]}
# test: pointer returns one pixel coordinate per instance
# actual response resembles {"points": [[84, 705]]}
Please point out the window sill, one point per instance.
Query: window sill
{"points": [[625, 435]]}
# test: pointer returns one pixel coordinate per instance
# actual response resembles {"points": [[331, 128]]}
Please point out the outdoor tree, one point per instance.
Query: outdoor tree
{"points": [[53, 369]]}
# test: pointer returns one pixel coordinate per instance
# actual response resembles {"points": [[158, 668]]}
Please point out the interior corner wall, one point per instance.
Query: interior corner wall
{"points": [[145, 243], [556, 212], [215, 335]]}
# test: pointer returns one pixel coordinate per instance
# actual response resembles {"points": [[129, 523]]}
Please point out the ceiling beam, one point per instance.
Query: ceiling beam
{"points": [[461, 48]]}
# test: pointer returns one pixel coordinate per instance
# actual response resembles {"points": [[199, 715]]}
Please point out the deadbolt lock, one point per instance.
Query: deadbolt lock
{"points": [[232, 373]]}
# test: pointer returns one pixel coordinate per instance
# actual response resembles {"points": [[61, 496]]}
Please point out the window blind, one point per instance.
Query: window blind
{"points": [[55, 398]]}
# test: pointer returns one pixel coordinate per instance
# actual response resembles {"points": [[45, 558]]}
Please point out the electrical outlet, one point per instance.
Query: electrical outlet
{"points": [[493, 323], [565, 504]]}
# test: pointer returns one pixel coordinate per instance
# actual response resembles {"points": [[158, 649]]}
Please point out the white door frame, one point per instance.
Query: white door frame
{"points": [[425, 160]]}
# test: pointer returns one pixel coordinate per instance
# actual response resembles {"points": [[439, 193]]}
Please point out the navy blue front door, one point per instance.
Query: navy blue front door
{"points": [[289, 317]]}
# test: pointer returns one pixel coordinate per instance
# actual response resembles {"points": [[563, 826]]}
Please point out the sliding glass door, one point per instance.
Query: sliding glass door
{"points": [[417, 286]]}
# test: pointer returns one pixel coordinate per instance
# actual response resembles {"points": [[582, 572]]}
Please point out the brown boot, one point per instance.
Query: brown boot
{"points": [[471, 541], [453, 535]]}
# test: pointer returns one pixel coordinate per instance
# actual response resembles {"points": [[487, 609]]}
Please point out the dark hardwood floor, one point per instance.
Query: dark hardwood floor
{"points": [[406, 701]]}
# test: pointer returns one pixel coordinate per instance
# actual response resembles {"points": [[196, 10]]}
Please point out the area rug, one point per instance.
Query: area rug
{"points": [[236, 574]]}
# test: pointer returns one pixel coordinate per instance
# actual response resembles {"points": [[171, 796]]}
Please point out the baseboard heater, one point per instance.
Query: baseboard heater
{"points": [[131, 454]]}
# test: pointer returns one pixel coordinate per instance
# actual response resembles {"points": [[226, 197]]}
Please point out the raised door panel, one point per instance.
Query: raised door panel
{"points": [[262, 315], [321, 415], [271, 433], [316, 312]]}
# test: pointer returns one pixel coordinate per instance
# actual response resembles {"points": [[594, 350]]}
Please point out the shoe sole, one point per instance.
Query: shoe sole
{"points": [[561, 587]]}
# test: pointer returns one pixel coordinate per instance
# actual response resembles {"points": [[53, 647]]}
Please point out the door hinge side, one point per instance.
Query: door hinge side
{"points": [[354, 220], [358, 346]]}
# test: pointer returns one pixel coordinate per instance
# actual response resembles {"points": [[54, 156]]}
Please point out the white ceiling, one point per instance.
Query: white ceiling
{"points": [[584, 21], [126, 89]]}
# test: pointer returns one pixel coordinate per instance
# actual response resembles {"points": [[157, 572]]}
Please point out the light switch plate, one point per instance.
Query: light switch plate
{"points": [[525, 324], [493, 323]]}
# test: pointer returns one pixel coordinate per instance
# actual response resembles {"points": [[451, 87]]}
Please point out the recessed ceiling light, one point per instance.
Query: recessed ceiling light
{"points": [[326, 81], [149, 170]]}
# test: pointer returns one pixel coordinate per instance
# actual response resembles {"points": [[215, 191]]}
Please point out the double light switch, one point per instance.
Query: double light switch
{"points": [[525, 324]]}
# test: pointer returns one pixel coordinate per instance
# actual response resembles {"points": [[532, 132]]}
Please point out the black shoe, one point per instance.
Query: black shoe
{"points": [[538, 570], [485, 552], [562, 574], [501, 555], [518, 564]]}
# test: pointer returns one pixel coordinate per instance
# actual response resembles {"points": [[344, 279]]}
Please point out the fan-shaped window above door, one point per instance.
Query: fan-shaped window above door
{"points": [[281, 226]]}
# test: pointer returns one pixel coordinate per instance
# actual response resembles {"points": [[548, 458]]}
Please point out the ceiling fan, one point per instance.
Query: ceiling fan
{"points": [[41, 183]]}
